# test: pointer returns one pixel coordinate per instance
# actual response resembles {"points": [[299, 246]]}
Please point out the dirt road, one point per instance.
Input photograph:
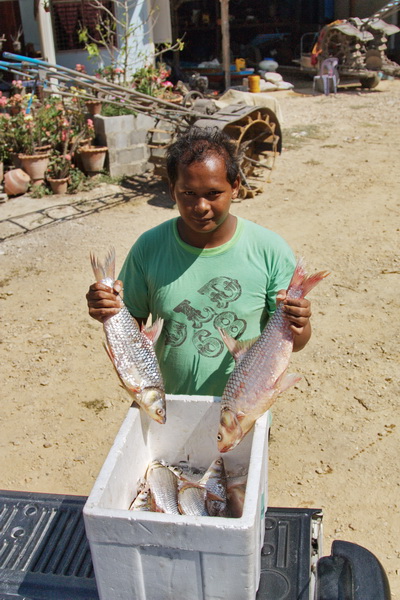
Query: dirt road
{"points": [[334, 196]]}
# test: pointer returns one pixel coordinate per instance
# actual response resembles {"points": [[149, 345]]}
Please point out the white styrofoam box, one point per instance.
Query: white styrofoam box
{"points": [[156, 556]]}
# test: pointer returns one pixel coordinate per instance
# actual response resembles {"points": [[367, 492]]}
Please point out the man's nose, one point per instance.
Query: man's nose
{"points": [[201, 204]]}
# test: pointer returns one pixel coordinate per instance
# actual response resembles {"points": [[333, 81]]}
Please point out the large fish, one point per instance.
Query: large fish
{"points": [[206, 497], [236, 494], [260, 371], [214, 480], [131, 349], [163, 483]]}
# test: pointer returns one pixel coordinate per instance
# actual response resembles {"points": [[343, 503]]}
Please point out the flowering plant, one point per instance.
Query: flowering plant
{"points": [[111, 73], [59, 166], [5, 134], [151, 80]]}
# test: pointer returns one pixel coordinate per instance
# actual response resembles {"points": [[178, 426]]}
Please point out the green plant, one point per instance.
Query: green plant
{"points": [[38, 191], [116, 110], [4, 134], [117, 21], [76, 180], [59, 166]]}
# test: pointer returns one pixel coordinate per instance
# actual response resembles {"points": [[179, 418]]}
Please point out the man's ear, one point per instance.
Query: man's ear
{"points": [[236, 187], [171, 192]]}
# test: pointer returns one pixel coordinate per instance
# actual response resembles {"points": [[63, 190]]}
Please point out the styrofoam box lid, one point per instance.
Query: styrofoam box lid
{"points": [[189, 434]]}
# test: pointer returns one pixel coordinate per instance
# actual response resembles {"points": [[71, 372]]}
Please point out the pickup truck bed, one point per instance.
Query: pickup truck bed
{"points": [[45, 555]]}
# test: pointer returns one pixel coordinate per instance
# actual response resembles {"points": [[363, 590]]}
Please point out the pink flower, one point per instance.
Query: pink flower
{"points": [[167, 84], [3, 102], [67, 157], [90, 124]]}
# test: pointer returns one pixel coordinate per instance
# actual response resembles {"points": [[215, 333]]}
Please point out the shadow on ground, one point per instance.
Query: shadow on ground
{"points": [[146, 188]]}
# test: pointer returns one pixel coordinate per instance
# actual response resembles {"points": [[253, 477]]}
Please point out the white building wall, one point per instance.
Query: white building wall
{"points": [[141, 47]]}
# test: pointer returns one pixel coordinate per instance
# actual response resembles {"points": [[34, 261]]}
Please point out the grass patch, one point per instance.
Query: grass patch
{"points": [[313, 163], [296, 137]]}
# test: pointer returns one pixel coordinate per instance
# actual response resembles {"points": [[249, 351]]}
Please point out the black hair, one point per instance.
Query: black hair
{"points": [[196, 145]]}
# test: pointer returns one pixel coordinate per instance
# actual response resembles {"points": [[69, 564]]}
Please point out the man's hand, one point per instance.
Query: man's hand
{"points": [[298, 313], [104, 302]]}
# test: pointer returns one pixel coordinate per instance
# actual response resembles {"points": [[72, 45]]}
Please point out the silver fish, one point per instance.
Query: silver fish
{"points": [[260, 371], [236, 493], [214, 480], [131, 349], [192, 499], [143, 500], [163, 484]]}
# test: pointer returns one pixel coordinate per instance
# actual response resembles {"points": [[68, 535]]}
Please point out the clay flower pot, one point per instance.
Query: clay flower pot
{"points": [[94, 107], [58, 186], [16, 182], [35, 165], [92, 158]]}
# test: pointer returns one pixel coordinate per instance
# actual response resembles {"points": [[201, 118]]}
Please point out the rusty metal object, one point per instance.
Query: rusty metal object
{"points": [[255, 130], [360, 46]]}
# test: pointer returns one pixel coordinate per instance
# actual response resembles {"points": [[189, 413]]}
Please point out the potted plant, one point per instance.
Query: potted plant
{"points": [[58, 172], [60, 167], [37, 129], [92, 157]]}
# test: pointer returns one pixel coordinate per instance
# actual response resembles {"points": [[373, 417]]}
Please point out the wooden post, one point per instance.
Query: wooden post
{"points": [[226, 53]]}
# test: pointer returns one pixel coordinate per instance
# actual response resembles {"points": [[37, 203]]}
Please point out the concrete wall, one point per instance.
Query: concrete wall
{"points": [[125, 137]]}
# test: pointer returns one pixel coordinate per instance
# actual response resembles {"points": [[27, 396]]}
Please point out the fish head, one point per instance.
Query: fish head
{"points": [[229, 432], [153, 402]]}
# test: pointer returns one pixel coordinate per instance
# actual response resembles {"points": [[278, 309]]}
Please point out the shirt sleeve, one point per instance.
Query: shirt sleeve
{"points": [[134, 281], [281, 268]]}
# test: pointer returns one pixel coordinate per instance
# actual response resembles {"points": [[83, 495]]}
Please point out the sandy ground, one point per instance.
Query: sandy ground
{"points": [[334, 196]]}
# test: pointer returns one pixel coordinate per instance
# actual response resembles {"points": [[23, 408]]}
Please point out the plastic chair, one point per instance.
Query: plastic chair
{"points": [[328, 76]]}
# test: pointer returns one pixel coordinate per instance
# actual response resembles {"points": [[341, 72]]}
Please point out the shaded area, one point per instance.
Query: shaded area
{"points": [[155, 192]]}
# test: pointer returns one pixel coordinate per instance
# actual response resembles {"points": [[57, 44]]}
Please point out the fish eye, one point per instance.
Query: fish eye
{"points": [[219, 460], [160, 411], [219, 437]]}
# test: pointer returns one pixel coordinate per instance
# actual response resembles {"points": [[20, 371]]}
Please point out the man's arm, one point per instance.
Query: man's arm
{"points": [[298, 313], [104, 302]]}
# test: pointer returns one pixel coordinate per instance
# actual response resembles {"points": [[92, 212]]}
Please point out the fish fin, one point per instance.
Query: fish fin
{"points": [[109, 352], [131, 389], [104, 270], [212, 496], [240, 415], [286, 380], [300, 279], [153, 332], [237, 348]]}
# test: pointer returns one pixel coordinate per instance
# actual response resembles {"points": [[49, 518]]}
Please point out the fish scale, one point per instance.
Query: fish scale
{"points": [[133, 352], [260, 371], [131, 349]]}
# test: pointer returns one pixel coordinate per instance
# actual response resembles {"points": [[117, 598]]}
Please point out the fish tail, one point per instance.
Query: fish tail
{"points": [[302, 280], [153, 332], [104, 270]]}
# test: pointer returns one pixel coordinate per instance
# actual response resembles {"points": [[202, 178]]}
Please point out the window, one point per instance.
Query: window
{"points": [[69, 16]]}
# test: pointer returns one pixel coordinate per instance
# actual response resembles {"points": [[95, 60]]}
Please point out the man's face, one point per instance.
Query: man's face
{"points": [[203, 195]]}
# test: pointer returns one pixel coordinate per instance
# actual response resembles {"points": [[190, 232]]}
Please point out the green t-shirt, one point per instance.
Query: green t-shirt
{"points": [[195, 290]]}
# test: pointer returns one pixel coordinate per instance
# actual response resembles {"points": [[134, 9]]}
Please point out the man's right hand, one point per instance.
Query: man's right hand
{"points": [[104, 302]]}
